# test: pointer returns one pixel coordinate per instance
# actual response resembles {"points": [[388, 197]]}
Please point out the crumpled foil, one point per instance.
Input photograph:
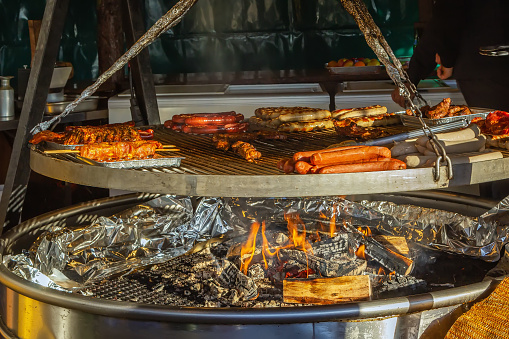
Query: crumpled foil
{"points": [[481, 237], [167, 227], [154, 232]]}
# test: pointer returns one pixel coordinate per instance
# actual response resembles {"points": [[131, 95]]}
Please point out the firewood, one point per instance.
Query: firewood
{"points": [[323, 291], [390, 286], [333, 248], [387, 257], [327, 268], [394, 243]]}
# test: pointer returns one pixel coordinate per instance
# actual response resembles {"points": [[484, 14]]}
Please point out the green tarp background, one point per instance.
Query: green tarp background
{"points": [[219, 35]]}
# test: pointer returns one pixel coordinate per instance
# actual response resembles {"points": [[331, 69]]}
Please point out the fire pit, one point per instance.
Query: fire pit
{"points": [[144, 302]]}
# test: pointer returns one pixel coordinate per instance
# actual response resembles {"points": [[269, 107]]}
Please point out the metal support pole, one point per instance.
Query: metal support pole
{"points": [[32, 113], [143, 80]]}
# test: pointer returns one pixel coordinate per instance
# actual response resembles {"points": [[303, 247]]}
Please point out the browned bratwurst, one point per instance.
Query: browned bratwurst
{"points": [[349, 155]]}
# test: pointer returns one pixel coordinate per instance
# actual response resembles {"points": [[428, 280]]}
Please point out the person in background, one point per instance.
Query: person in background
{"points": [[452, 39]]}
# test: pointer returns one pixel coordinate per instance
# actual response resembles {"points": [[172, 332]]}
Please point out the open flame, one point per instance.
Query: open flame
{"points": [[249, 247], [381, 271], [297, 240], [297, 237], [332, 225], [361, 252], [365, 230]]}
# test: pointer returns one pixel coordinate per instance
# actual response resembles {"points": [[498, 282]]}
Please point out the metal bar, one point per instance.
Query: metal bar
{"points": [[142, 71], [32, 113]]}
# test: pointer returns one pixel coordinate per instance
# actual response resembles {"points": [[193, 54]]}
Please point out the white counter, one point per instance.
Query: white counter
{"points": [[246, 98]]}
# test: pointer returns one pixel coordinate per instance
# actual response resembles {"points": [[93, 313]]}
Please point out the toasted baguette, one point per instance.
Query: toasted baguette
{"points": [[306, 126], [340, 114]]}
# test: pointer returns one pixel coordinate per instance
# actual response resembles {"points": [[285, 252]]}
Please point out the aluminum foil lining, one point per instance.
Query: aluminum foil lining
{"points": [[167, 227], [481, 237], [150, 233]]}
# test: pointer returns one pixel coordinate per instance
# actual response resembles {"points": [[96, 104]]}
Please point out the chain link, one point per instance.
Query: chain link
{"points": [[407, 89]]}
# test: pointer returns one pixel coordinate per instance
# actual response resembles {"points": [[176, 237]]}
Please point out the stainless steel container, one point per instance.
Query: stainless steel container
{"points": [[28, 310], [6, 98]]}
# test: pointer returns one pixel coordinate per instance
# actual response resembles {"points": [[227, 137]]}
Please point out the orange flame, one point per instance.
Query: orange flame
{"points": [[318, 238], [249, 247], [366, 231], [381, 271], [392, 274], [332, 225], [298, 238], [265, 247], [361, 252]]}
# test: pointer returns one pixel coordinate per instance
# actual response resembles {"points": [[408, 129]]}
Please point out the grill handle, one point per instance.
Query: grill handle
{"points": [[415, 133]]}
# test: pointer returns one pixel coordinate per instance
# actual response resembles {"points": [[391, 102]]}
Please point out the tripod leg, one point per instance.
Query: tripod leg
{"points": [[18, 173], [141, 70]]}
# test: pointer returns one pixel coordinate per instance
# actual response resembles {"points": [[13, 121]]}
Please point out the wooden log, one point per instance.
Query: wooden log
{"points": [[333, 248], [326, 268], [323, 291], [389, 286], [394, 243], [387, 257]]}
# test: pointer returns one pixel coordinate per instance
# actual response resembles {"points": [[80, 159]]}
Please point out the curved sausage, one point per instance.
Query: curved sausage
{"points": [[146, 134], [214, 120], [289, 166], [212, 129], [181, 118], [281, 163]]}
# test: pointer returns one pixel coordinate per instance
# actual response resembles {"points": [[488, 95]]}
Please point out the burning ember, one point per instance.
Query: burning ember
{"points": [[296, 240], [321, 256], [361, 252]]}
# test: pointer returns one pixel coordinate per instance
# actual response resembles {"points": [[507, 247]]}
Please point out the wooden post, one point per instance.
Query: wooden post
{"points": [[110, 40]]}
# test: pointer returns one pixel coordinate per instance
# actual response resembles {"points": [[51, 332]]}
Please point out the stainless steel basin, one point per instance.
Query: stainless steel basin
{"points": [[28, 310]]}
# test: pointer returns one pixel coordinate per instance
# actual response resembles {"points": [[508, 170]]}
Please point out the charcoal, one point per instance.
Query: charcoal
{"points": [[389, 286], [326, 268], [333, 248], [232, 278]]}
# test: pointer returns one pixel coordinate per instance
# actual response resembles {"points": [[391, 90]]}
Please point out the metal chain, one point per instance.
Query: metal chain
{"points": [[167, 21], [407, 89]]}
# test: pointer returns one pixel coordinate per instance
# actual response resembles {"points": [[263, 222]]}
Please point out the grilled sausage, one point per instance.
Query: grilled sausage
{"points": [[302, 167], [370, 166], [213, 119], [211, 129], [289, 166], [305, 156], [181, 118], [281, 163], [349, 155]]}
